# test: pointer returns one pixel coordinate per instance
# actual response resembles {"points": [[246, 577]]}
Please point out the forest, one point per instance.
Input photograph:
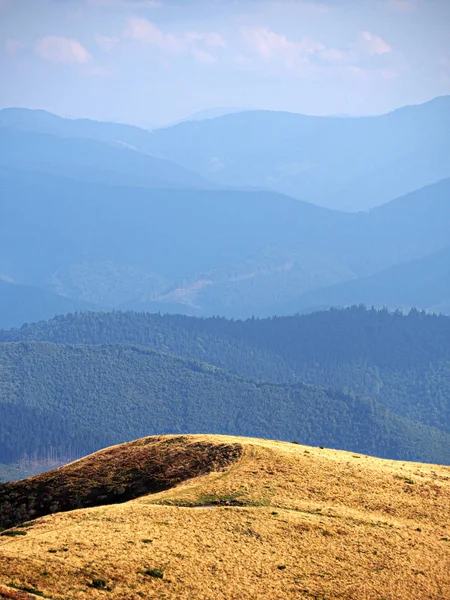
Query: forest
{"points": [[369, 381]]}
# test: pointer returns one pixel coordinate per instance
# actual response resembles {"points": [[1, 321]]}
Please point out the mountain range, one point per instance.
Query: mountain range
{"points": [[101, 215], [345, 164], [203, 251]]}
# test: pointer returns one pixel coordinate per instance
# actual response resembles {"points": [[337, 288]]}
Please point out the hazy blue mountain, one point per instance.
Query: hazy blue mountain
{"points": [[41, 121], [422, 282], [200, 251], [212, 113], [349, 164], [111, 245], [348, 248], [20, 304], [91, 160]]}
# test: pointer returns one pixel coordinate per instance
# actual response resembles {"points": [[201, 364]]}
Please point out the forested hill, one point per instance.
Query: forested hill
{"points": [[74, 399], [402, 361], [379, 335]]}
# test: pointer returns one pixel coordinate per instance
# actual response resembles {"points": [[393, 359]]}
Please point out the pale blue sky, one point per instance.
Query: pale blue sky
{"points": [[156, 61]]}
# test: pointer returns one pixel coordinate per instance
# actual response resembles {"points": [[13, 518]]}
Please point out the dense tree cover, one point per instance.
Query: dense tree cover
{"points": [[400, 360], [77, 398]]}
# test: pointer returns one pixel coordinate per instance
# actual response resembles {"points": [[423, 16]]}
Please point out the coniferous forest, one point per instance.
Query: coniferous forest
{"points": [[370, 381]]}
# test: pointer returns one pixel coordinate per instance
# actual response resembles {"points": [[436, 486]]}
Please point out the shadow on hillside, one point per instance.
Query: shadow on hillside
{"points": [[114, 475]]}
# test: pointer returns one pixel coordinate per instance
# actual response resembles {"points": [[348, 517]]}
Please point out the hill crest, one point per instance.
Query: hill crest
{"points": [[281, 520]]}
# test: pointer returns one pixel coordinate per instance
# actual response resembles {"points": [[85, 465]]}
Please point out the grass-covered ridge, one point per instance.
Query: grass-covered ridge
{"points": [[283, 521], [117, 474]]}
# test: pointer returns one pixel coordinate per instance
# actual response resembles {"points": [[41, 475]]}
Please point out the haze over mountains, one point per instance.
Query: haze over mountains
{"points": [[112, 216], [102, 217], [345, 164]]}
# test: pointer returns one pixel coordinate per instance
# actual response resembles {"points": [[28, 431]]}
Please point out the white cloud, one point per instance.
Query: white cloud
{"points": [[375, 45], [334, 56], [388, 73], [62, 50], [202, 56], [271, 45], [305, 57], [214, 40], [107, 43], [142, 30], [193, 43]]}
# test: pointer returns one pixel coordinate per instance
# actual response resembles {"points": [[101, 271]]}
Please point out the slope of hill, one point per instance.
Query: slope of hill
{"points": [[71, 400], [324, 159], [403, 361], [20, 304], [91, 160], [279, 521]]}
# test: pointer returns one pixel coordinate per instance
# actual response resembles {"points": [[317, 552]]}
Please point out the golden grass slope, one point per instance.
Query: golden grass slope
{"points": [[283, 521]]}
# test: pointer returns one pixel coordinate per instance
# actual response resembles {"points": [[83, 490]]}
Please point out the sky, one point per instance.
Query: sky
{"points": [[153, 62]]}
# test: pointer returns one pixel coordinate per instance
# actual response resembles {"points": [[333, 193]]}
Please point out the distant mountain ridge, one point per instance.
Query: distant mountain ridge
{"points": [[201, 252], [349, 164], [91, 160], [423, 282], [41, 121], [20, 304], [93, 216]]}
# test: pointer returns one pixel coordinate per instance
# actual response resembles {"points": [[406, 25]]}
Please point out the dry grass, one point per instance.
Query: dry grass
{"points": [[284, 521], [113, 475]]}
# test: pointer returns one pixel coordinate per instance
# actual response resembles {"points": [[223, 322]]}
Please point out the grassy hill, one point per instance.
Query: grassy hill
{"points": [[219, 517]]}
